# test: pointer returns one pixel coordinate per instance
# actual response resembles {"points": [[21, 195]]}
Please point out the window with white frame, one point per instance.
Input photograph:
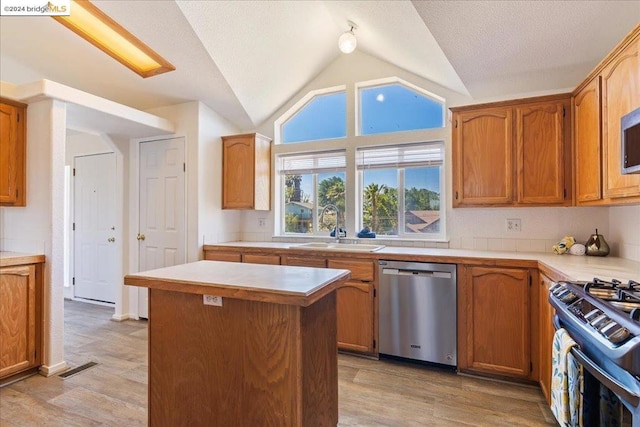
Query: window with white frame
{"points": [[397, 106], [400, 189], [323, 116], [313, 188]]}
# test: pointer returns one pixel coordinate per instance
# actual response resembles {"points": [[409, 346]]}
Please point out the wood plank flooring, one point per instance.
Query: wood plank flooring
{"points": [[371, 393]]}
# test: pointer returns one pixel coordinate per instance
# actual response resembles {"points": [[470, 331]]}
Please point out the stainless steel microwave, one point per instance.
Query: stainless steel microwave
{"points": [[630, 137]]}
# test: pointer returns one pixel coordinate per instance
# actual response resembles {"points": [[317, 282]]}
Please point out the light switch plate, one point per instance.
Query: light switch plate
{"points": [[212, 300]]}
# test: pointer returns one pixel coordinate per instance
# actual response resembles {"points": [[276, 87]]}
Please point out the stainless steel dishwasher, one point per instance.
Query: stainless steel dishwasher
{"points": [[417, 311]]}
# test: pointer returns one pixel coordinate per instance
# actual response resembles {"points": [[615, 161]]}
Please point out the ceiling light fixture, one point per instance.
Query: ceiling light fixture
{"points": [[347, 41], [97, 28]]}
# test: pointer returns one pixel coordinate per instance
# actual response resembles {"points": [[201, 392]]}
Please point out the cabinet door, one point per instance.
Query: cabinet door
{"points": [[547, 330], [483, 157], [620, 95], [17, 319], [223, 256], [355, 316], [12, 155], [540, 152], [304, 261], [587, 142], [261, 259], [497, 326], [238, 172]]}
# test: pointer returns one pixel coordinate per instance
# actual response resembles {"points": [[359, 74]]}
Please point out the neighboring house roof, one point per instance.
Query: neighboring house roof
{"points": [[302, 204], [422, 221], [428, 217]]}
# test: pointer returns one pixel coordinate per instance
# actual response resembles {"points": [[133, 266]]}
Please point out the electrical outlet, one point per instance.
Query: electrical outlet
{"points": [[262, 222], [212, 300], [514, 225]]}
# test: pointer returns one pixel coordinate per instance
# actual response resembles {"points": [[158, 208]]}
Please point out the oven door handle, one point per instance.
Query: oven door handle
{"points": [[604, 378]]}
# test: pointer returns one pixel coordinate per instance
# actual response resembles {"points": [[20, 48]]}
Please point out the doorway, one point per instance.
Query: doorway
{"points": [[95, 277], [162, 221]]}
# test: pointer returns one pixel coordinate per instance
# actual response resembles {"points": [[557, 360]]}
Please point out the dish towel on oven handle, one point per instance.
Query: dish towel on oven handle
{"points": [[566, 381]]}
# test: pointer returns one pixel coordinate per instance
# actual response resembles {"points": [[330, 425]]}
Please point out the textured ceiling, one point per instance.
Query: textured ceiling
{"points": [[245, 59], [500, 48]]}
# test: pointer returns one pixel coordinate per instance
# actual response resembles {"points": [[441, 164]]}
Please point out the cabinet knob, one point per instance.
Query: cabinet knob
{"points": [[141, 236], [111, 239]]}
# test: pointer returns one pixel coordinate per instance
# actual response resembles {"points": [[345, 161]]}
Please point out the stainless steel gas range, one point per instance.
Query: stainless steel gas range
{"points": [[603, 318]]}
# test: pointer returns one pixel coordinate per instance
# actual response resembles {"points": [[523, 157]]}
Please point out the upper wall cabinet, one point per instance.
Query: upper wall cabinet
{"points": [[13, 120], [610, 92], [246, 172], [514, 153]]}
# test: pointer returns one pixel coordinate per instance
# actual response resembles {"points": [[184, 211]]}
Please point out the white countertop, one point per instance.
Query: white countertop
{"points": [[575, 267], [216, 275], [19, 258]]}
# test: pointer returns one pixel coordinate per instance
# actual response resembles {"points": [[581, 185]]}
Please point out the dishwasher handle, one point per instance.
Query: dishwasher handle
{"points": [[417, 273]]}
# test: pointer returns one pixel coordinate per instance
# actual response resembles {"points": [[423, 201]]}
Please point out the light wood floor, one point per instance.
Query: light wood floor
{"points": [[371, 393]]}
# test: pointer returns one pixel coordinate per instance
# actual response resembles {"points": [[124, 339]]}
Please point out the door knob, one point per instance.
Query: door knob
{"points": [[141, 236], [111, 239]]}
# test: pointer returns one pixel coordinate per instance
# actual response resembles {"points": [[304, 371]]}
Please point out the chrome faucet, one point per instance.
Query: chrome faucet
{"points": [[335, 208]]}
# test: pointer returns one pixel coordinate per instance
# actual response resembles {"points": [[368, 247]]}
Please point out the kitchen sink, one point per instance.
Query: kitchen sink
{"points": [[353, 247]]}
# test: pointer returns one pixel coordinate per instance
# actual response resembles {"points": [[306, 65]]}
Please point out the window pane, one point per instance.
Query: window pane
{"points": [[298, 203], [395, 108], [422, 200], [324, 117], [380, 201], [331, 191]]}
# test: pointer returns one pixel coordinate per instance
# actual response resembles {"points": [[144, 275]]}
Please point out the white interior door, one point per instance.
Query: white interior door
{"points": [[162, 235], [94, 227]]}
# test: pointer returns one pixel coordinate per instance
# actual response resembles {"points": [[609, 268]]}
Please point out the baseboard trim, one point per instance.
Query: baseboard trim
{"points": [[122, 317], [49, 370]]}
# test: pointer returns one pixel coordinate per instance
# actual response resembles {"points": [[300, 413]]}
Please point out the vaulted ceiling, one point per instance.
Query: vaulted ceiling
{"points": [[245, 59]]}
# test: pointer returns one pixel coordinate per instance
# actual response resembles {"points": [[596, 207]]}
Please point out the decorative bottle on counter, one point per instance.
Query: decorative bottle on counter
{"points": [[596, 245]]}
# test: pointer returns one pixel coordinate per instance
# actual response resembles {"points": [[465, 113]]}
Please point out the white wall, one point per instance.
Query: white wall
{"points": [[214, 224], [38, 227], [624, 232]]}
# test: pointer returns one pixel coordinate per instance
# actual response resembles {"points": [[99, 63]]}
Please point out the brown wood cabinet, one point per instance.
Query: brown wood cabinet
{"points": [[512, 153], [608, 93], [540, 142], [223, 256], [546, 331], [356, 306], [483, 157], [13, 120], [587, 142], [20, 318], [620, 95], [261, 259], [494, 321], [246, 172]]}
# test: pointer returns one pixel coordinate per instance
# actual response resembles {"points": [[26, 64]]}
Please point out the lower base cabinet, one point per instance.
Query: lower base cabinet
{"points": [[547, 330], [20, 314], [355, 313], [494, 321]]}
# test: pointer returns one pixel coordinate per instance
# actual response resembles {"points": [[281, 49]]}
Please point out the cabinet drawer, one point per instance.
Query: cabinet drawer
{"points": [[223, 256], [360, 270], [261, 259], [305, 262]]}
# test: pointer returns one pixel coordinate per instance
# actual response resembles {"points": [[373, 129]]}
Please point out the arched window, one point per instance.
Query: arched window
{"points": [[397, 107], [323, 116]]}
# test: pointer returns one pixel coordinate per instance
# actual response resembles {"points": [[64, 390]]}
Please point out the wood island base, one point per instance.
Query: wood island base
{"points": [[245, 363]]}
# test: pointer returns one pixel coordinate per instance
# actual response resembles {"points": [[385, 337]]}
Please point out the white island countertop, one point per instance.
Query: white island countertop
{"points": [[256, 282]]}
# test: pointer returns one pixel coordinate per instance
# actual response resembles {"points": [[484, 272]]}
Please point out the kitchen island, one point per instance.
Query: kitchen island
{"points": [[241, 344]]}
